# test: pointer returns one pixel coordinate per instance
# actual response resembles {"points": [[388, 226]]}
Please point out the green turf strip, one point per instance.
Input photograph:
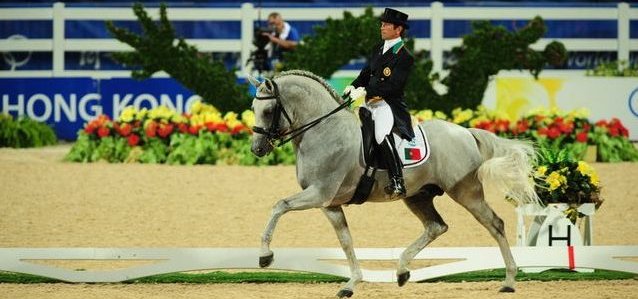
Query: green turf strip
{"points": [[283, 277]]}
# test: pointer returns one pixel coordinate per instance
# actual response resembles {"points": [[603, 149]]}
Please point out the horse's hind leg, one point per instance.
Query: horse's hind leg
{"points": [[338, 221], [470, 195], [422, 206]]}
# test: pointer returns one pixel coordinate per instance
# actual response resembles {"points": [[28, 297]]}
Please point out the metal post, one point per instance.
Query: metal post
{"points": [[247, 31], [58, 39], [436, 37]]}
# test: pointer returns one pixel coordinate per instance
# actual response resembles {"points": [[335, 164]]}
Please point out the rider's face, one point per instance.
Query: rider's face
{"points": [[390, 31]]}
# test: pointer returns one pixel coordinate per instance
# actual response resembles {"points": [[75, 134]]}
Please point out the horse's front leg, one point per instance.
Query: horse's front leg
{"points": [[338, 221], [310, 197]]}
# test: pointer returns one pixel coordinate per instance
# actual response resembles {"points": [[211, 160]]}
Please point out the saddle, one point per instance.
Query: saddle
{"points": [[412, 153]]}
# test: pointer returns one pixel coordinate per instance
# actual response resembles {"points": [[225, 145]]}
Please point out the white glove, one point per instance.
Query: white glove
{"points": [[357, 93], [348, 90]]}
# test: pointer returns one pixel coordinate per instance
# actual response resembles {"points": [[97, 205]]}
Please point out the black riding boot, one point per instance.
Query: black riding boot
{"points": [[396, 188]]}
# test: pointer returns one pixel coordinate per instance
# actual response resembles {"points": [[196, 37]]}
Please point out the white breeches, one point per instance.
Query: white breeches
{"points": [[382, 117]]}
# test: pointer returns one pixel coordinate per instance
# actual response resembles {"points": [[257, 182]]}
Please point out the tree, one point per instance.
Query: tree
{"points": [[483, 53], [158, 49]]}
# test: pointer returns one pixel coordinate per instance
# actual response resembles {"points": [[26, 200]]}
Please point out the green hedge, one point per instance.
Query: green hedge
{"points": [[24, 132]]}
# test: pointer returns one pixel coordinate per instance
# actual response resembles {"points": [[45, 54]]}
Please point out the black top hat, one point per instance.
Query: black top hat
{"points": [[395, 17]]}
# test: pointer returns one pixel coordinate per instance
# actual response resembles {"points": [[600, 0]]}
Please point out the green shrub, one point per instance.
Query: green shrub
{"points": [[158, 49], [24, 132]]}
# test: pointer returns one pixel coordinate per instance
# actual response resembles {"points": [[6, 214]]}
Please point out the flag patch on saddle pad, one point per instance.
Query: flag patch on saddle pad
{"points": [[412, 153]]}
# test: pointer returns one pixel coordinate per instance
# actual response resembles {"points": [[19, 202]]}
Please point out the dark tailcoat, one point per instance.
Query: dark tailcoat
{"points": [[385, 76]]}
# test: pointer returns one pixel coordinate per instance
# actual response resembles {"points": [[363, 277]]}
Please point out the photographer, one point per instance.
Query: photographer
{"points": [[283, 38]]}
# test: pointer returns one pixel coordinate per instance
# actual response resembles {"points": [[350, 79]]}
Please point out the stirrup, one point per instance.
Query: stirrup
{"points": [[396, 188]]}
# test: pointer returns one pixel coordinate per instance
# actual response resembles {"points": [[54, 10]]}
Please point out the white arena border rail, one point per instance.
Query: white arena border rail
{"points": [[318, 260]]}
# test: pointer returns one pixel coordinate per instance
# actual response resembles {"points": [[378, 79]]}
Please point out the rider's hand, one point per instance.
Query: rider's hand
{"points": [[357, 93], [348, 90]]}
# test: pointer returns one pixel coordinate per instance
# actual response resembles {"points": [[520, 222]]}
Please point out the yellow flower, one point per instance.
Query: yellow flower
{"points": [[248, 117], [593, 179], [161, 113], [587, 170], [178, 118], [580, 113], [555, 180], [197, 120], [212, 117], [230, 116], [541, 170], [461, 116], [196, 107], [128, 114], [141, 114], [440, 115], [424, 115]]}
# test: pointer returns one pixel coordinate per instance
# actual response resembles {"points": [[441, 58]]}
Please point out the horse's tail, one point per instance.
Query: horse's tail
{"points": [[508, 164]]}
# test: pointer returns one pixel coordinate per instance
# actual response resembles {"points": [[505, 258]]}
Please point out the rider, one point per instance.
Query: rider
{"points": [[382, 81]]}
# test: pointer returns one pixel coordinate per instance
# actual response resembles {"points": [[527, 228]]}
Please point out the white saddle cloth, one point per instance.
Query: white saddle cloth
{"points": [[414, 152]]}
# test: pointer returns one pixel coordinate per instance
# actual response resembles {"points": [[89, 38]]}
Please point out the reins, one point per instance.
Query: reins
{"points": [[273, 133]]}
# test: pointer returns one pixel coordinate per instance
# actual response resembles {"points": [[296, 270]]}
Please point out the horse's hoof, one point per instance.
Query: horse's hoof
{"points": [[403, 278], [507, 290], [345, 293], [265, 261]]}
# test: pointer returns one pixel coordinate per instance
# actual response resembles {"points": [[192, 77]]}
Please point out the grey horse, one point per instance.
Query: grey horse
{"points": [[328, 163]]}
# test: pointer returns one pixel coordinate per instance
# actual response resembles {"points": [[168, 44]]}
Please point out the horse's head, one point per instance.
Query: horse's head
{"points": [[269, 123]]}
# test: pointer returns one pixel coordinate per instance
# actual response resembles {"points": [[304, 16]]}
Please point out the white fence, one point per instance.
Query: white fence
{"points": [[436, 13], [317, 260]]}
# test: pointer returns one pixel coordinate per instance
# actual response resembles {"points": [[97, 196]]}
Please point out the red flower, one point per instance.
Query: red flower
{"points": [[586, 127], [151, 129], [614, 131], [502, 125], [124, 129], [581, 137], [566, 127], [522, 126], [90, 128], [183, 128], [221, 127], [238, 129], [165, 130], [601, 123], [542, 131], [133, 140], [553, 133], [194, 129], [103, 132]]}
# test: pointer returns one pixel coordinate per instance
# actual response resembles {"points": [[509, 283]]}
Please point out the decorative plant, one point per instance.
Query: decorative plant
{"points": [[560, 178], [24, 132], [161, 135], [159, 49], [484, 52], [614, 69]]}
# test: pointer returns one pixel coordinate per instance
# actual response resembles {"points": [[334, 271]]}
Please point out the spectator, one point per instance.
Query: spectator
{"points": [[284, 38]]}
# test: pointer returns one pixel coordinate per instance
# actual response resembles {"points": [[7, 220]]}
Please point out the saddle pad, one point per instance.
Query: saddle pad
{"points": [[414, 152]]}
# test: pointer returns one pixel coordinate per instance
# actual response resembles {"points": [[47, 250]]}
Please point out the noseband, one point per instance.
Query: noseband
{"points": [[274, 133]]}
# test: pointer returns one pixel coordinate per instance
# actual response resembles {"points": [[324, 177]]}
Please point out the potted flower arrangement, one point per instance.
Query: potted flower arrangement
{"points": [[569, 189], [560, 178]]}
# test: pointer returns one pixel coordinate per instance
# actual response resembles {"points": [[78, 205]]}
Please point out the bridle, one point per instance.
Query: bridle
{"points": [[274, 134]]}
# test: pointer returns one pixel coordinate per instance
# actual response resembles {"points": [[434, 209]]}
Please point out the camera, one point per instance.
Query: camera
{"points": [[259, 57]]}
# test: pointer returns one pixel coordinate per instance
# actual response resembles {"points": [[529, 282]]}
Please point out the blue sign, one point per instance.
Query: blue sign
{"points": [[66, 104]]}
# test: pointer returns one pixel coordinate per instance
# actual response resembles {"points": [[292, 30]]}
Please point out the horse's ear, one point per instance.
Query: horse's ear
{"points": [[253, 80], [268, 84]]}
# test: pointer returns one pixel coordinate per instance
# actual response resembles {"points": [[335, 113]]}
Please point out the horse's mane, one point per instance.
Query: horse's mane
{"points": [[312, 76]]}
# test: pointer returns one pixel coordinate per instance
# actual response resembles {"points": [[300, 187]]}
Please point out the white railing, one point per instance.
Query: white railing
{"points": [[436, 13], [318, 260]]}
